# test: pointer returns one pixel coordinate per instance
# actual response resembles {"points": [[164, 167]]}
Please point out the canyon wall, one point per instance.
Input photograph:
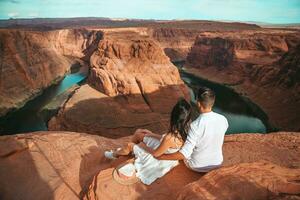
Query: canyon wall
{"points": [[132, 84], [33, 60], [36, 59], [262, 65], [175, 42], [177, 37], [69, 165]]}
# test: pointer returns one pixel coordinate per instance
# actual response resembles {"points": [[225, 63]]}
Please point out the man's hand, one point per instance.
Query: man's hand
{"points": [[172, 156]]}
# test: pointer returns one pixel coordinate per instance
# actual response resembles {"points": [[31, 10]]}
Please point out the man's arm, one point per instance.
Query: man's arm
{"points": [[186, 150], [173, 156], [190, 143]]}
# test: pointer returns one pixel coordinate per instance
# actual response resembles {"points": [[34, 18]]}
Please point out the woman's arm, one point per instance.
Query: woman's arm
{"points": [[165, 144]]}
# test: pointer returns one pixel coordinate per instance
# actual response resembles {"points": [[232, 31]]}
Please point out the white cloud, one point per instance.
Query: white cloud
{"points": [[13, 14], [33, 14]]}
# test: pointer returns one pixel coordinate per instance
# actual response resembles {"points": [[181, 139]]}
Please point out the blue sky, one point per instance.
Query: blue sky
{"points": [[271, 11]]}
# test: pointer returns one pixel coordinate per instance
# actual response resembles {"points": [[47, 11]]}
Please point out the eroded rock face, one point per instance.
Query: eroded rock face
{"points": [[176, 42], [262, 65], [132, 64], [33, 60], [69, 165], [258, 180], [212, 52], [285, 73], [245, 47]]}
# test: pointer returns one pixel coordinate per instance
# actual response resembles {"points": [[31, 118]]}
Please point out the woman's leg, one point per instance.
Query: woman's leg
{"points": [[139, 135], [126, 150], [137, 138]]}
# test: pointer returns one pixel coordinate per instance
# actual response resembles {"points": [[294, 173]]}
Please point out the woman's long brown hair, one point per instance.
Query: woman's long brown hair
{"points": [[180, 119]]}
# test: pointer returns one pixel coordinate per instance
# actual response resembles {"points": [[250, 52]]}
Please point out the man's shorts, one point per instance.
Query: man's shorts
{"points": [[201, 169]]}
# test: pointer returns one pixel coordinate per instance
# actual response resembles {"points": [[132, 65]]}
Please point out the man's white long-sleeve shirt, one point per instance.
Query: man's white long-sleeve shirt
{"points": [[203, 146]]}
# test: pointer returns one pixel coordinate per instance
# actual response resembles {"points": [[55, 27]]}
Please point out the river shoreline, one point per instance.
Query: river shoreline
{"points": [[15, 121]]}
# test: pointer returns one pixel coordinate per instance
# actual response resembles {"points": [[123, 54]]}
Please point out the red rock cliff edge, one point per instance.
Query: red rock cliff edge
{"points": [[69, 165]]}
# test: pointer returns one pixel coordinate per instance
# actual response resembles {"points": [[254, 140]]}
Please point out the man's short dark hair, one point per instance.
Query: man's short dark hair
{"points": [[206, 97]]}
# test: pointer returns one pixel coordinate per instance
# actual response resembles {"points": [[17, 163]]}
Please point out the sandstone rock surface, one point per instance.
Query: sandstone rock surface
{"points": [[280, 148], [258, 180], [69, 165], [49, 165]]}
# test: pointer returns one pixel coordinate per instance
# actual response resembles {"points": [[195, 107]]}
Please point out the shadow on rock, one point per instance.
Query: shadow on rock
{"points": [[91, 111], [20, 173], [105, 187]]}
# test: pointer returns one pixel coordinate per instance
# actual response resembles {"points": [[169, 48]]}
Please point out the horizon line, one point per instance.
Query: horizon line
{"points": [[151, 19]]}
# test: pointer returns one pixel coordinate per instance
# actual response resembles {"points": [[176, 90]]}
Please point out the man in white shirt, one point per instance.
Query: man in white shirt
{"points": [[202, 150]]}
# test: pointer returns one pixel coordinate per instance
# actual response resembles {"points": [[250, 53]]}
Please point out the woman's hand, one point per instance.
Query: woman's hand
{"points": [[130, 145], [147, 133]]}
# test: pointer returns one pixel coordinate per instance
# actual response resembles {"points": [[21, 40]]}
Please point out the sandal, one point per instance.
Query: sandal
{"points": [[110, 154]]}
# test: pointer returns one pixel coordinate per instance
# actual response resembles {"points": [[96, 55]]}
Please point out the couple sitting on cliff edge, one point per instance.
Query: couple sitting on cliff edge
{"points": [[198, 143]]}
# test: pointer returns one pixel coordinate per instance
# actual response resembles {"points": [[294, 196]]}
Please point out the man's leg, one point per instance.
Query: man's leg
{"points": [[187, 164], [201, 170]]}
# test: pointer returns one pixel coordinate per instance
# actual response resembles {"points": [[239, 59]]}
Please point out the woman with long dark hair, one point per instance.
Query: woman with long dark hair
{"points": [[146, 146]]}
